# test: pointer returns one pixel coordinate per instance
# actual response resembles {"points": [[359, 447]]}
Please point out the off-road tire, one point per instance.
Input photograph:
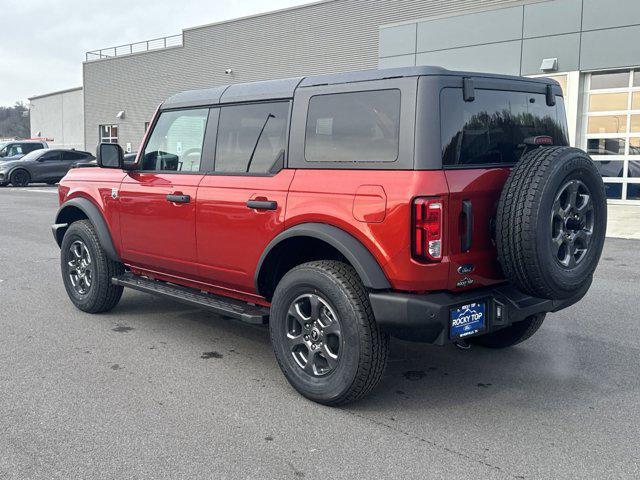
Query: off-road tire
{"points": [[102, 295], [510, 336], [364, 348], [524, 222], [20, 178]]}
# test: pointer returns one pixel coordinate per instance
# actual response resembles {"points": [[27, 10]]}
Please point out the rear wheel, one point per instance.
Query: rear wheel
{"points": [[324, 335], [510, 336], [87, 271], [20, 178]]}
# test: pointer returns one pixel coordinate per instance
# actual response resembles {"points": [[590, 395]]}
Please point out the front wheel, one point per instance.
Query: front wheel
{"points": [[87, 271], [513, 335], [20, 178], [324, 334]]}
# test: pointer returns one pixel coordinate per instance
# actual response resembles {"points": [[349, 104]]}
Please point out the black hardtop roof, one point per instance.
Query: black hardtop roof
{"points": [[285, 88]]}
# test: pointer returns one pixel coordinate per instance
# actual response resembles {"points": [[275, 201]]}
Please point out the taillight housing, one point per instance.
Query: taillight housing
{"points": [[427, 218]]}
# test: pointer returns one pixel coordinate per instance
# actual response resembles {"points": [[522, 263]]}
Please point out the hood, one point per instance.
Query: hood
{"points": [[9, 162]]}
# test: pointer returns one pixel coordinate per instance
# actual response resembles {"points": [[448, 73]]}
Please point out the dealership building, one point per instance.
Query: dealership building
{"points": [[592, 47]]}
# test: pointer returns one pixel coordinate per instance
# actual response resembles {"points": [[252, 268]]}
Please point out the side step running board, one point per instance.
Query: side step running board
{"points": [[245, 312]]}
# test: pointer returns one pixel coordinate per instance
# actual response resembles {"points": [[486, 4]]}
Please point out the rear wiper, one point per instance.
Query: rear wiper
{"points": [[255, 147]]}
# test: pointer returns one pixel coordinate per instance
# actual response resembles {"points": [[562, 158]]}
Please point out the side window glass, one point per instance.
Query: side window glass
{"points": [[15, 150], [175, 144], [51, 157], [251, 138], [353, 127], [72, 156], [30, 147]]}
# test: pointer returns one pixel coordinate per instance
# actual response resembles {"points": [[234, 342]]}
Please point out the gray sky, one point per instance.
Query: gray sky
{"points": [[42, 43]]}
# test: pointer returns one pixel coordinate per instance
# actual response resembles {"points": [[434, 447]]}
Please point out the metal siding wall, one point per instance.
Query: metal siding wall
{"points": [[581, 34], [59, 116], [327, 37]]}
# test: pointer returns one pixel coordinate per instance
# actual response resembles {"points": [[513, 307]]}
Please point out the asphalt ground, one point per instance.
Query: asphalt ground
{"points": [[156, 390]]}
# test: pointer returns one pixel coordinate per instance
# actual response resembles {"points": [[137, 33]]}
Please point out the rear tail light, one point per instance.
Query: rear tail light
{"points": [[427, 229]]}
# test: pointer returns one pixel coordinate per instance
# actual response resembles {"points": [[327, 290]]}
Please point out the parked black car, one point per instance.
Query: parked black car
{"points": [[46, 166]]}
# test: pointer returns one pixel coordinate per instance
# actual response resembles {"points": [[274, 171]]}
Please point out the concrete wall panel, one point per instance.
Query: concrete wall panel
{"points": [[566, 48], [552, 18], [473, 29], [494, 58]]}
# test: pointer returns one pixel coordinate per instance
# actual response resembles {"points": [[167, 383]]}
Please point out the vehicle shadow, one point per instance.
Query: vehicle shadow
{"points": [[554, 370]]}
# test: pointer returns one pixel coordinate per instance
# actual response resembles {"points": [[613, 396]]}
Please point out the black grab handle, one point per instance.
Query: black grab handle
{"points": [[178, 198], [262, 204], [467, 237]]}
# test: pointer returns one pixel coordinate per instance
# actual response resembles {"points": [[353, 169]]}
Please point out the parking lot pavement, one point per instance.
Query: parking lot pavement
{"points": [[157, 390]]}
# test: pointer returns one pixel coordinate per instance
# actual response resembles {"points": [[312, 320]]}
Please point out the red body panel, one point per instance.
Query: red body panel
{"points": [[482, 187], [328, 196], [155, 233], [214, 242], [231, 237]]}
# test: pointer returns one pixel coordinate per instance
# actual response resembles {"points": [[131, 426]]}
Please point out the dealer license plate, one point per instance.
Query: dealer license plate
{"points": [[468, 320]]}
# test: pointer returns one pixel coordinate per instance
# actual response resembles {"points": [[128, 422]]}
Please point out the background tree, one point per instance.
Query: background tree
{"points": [[14, 121]]}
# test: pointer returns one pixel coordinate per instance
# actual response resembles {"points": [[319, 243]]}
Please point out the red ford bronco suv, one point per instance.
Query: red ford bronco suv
{"points": [[421, 203]]}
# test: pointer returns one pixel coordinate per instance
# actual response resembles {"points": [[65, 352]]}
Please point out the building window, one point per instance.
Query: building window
{"points": [[612, 130], [108, 133]]}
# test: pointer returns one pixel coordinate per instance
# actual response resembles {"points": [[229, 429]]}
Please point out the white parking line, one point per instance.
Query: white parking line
{"points": [[37, 190]]}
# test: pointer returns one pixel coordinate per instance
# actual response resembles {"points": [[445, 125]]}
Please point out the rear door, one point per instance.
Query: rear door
{"points": [[158, 201], [481, 140], [241, 203]]}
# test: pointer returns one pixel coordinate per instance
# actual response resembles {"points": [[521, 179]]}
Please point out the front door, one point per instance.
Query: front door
{"points": [[49, 166], [158, 201], [241, 205]]}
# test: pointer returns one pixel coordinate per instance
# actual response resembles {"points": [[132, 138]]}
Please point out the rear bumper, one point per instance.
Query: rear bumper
{"points": [[425, 318]]}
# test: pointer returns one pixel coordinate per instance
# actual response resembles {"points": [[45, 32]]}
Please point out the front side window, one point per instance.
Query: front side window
{"points": [[14, 149], [176, 141], [493, 128], [108, 133], [251, 138], [353, 127]]}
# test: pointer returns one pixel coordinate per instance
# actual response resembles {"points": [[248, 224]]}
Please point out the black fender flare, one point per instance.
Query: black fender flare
{"points": [[94, 215], [354, 251]]}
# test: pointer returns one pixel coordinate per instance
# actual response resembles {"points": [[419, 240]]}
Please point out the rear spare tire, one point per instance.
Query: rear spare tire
{"points": [[551, 222]]}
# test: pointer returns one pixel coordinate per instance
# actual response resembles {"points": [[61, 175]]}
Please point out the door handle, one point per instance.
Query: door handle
{"points": [[467, 236], [178, 198], [262, 204]]}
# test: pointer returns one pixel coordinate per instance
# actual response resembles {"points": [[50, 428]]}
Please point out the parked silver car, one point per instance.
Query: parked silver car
{"points": [[45, 166], [15, 149]]}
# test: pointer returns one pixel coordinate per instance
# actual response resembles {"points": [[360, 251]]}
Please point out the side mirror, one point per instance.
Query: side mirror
{"points": [[110, 155]]}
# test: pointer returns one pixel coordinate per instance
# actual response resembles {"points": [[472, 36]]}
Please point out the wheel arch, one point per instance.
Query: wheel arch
{"points": [[81, 209], [314, 241], [18, 168]]}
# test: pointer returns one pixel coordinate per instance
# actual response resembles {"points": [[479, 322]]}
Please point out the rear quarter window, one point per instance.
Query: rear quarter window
{"points": [[353, 127], [492, 129]]}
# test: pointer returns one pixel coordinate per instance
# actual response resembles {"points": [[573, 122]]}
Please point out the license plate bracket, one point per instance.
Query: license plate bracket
{"points": [[468, 320]]}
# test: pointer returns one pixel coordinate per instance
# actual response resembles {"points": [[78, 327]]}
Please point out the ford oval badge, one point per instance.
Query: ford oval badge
{"points": [[465, 269]]}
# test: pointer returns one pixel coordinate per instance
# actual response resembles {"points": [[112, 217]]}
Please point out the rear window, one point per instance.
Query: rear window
{"points": [[492, 129], [353, 127]]}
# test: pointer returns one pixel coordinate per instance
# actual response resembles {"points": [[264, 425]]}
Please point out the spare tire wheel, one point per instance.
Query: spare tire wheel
{"points": [[551, 222]]}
